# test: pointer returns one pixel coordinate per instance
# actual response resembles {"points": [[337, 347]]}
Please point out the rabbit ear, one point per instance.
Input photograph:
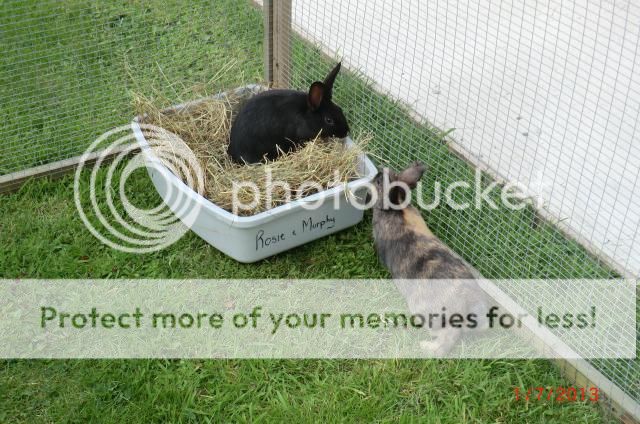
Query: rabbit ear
{"points": [[412, 175], [330, 78], [316, 95]]}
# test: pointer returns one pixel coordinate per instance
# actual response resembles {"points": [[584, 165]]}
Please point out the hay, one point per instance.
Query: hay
{"points": [[204, 126]]}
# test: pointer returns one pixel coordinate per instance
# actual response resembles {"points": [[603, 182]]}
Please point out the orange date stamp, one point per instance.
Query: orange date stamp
{"points": [[557, 394]]}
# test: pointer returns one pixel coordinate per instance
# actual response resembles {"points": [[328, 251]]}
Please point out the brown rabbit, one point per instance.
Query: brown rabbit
{"points": [[411, 252]]}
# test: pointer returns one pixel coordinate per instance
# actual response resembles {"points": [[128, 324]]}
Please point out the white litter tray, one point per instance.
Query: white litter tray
{"points": [[251, 238]]}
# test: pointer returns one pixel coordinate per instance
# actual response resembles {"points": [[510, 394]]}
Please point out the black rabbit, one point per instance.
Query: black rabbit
{"points": [[285, 119]]}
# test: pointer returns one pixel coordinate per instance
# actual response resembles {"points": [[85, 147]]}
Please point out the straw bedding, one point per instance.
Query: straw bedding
{"points": [[204, 126]]}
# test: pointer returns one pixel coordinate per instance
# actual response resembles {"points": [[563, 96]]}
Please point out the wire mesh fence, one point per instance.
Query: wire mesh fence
{"points": [[542, 93], [67, 69]]}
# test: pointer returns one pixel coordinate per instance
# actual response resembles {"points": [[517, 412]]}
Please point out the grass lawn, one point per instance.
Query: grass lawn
{"points": [[96, 53], [41, 236]]}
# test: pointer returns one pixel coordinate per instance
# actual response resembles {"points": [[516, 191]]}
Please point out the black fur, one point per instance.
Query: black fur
{"points": [[285, 119]]}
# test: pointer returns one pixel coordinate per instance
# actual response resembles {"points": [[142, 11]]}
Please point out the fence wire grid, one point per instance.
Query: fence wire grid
{"points": [[68, 69], [543, 93]]}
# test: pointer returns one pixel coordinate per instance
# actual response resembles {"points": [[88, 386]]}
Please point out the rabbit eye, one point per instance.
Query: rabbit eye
{"points": [[328, 120]]}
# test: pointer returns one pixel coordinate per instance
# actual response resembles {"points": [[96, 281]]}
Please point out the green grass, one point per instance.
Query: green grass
{"points": [[75, 62], [100, 51], [277, 391], [42, 236]]}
